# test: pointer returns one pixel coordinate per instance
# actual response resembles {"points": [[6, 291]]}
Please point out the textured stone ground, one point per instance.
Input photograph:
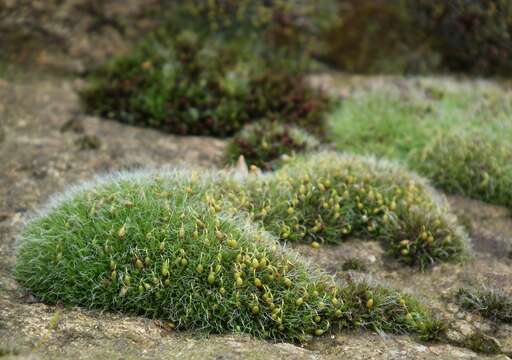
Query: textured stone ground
{"points": [[47, 143]]}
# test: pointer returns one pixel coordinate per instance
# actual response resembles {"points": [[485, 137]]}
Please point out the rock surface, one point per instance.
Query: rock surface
{"points": [[47, 143]]}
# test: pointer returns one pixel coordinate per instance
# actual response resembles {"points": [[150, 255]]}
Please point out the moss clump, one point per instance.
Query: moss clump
{"points": [[263, 143], [494, 304], [198, 75], [456, 135], [155, 245], [384, 309], [476, 164], [150, 246], [328, 197]]}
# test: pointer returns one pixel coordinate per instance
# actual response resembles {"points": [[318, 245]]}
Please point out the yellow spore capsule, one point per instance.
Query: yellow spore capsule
{"points": [[369, 303], [211, 278], [122, 232]]}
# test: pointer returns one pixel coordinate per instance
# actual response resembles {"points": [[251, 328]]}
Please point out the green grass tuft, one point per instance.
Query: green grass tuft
{"points": [[264, 143], [493, 304], [156, 244]]}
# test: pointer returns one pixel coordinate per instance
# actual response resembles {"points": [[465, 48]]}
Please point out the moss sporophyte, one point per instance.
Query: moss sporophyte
{"points": [[199, 251]]}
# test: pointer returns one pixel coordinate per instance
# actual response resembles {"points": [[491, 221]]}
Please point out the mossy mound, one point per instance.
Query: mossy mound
{"points": [[152, 244], [456, 135], [477, 164], [328, 197], [264, 143], [208, 71]]}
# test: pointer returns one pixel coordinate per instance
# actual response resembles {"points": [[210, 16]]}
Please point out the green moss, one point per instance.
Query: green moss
{"points": [[494, 304], [455, 135], [157, 244], [474, 163], [149, 246], [198, 75], [383, 309], [328, 197], [381, 123], [8, 351], [264, 143]]}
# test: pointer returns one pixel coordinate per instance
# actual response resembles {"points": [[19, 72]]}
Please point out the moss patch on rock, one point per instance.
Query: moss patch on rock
{"points": [[264, 143], [475, 163], [150, 246], [206, 72], [154, 244], [456, 135], [328, 197]]}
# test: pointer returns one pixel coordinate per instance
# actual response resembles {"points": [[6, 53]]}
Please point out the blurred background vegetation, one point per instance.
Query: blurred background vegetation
{"points": [[472, 36], [396, 36]]}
